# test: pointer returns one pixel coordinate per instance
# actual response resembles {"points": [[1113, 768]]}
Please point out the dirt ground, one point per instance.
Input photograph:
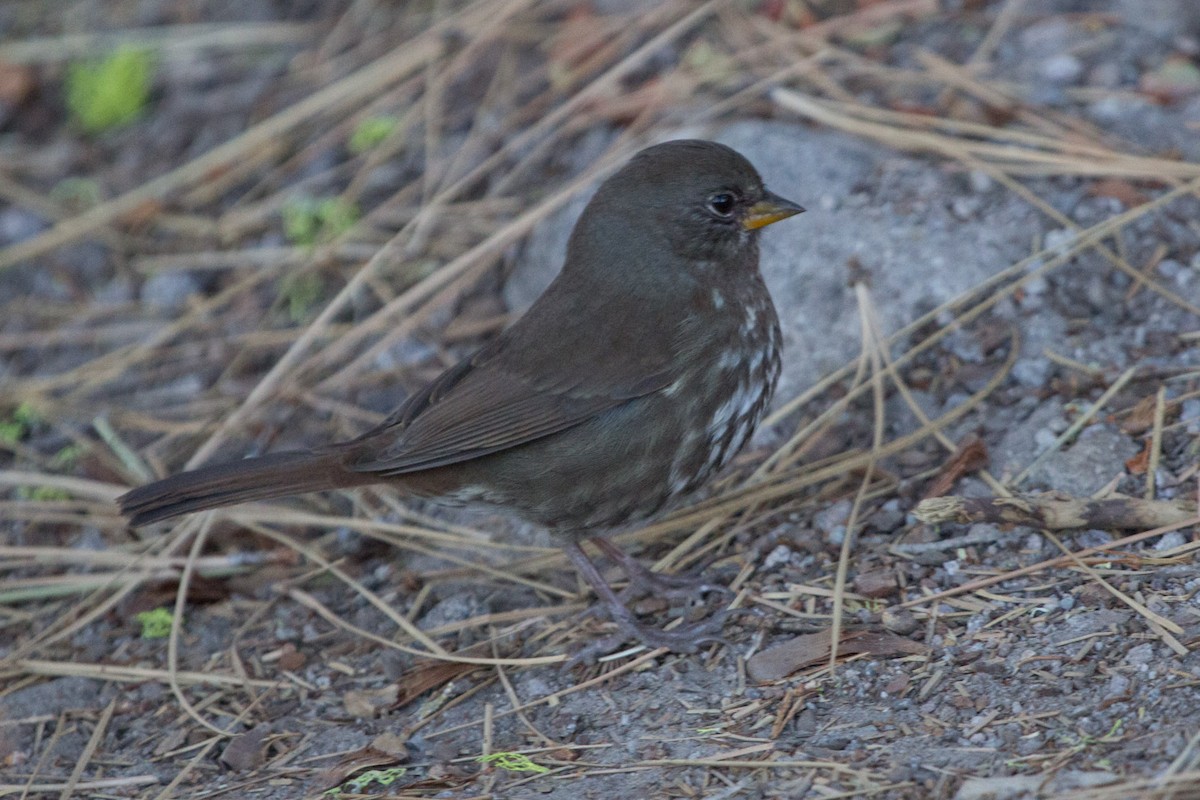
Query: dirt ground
{"points": [[318, 206]]}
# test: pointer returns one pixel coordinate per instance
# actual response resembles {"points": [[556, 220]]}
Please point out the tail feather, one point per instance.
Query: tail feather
{"points": [[261, 478]]}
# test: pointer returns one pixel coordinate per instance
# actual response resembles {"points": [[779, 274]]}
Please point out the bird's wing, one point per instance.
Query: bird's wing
{"points": [[477, 408]]}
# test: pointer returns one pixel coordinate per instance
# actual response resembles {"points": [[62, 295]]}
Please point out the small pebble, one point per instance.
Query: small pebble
{"points": [[17, 224], [169, 291], [1032, 372], [1063, 68], [965, 208], [1170, 268], [1059, 240], [980, 182], [1142, 654], [899, 621], [1044, 438], [781, 554], [1170, 540]]}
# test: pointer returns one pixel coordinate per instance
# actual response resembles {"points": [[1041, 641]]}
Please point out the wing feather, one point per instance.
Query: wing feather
{"points": [[476, 409]]}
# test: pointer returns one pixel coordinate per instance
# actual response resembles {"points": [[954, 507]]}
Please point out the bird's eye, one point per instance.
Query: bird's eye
{"points": [[721, 204]]}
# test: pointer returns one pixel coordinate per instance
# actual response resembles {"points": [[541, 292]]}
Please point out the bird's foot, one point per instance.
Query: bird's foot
{"points": [[645, 582], [687, 638]]}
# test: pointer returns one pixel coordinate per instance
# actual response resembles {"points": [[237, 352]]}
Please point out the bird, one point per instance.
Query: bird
{"points": [[635, 377]]}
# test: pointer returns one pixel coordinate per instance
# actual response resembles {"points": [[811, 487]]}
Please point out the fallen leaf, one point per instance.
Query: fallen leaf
{"points": [[970, 456], [899, 620], [246, 751], [356, 761], [17, 83], [1139, 463], [783, 659], [170, 740], [876, 583], [291, 659], [141, 215], [427, 676], [391, 744], [1174, 80], [366, 703], [1141, 416], [1121, 190]]}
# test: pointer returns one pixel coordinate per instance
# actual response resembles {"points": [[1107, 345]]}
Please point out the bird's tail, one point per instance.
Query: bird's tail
{"points": [[261, 478]]}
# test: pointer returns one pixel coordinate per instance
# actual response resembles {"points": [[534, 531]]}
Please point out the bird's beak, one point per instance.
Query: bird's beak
{"points": [[771, 208]]}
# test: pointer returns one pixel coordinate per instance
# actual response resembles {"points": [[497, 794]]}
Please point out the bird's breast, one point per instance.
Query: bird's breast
{"points": [[725, 396]]}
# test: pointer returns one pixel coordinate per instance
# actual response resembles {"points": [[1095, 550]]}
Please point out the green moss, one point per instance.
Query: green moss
{"points": [[111, 92]]}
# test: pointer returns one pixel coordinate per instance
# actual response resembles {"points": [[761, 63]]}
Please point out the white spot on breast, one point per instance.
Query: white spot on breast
{"points": [[756, 363], [728, 360], [738, 403], [718, 299], [679, 480]]}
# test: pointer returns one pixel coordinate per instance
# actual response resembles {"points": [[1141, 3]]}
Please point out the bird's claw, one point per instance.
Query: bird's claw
{"points": [[687, 638]]}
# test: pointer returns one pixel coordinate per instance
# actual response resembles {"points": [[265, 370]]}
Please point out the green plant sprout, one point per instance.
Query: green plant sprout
{"points": [[308, 221], [23, 418], [371, 132], [301, 292], [66, 458], [42, 494], [156, 624], [76, 193], [513, 762], [110, 92], [383, 777]]}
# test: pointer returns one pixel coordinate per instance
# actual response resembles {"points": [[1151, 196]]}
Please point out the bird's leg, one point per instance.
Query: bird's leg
{"points": [[645, 582], [684, 639]]}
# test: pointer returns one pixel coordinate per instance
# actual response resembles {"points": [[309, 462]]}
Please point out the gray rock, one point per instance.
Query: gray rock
{"points": [[1093, 538], [169, 291], [1190, 414], [51, 697], [1051, 37], [832, 520], [456, 608], [1032, 372], [1083, 468], [1062, 68], [1018, 446], [1080, 468], [1163, 18], [1170, 268], [1142, 654], [980, 181], [1087, 622], [1170, 541], [17, 224]]}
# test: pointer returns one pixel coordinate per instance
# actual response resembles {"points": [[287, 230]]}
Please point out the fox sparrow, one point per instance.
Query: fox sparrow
{"points": [[638, 374]]}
